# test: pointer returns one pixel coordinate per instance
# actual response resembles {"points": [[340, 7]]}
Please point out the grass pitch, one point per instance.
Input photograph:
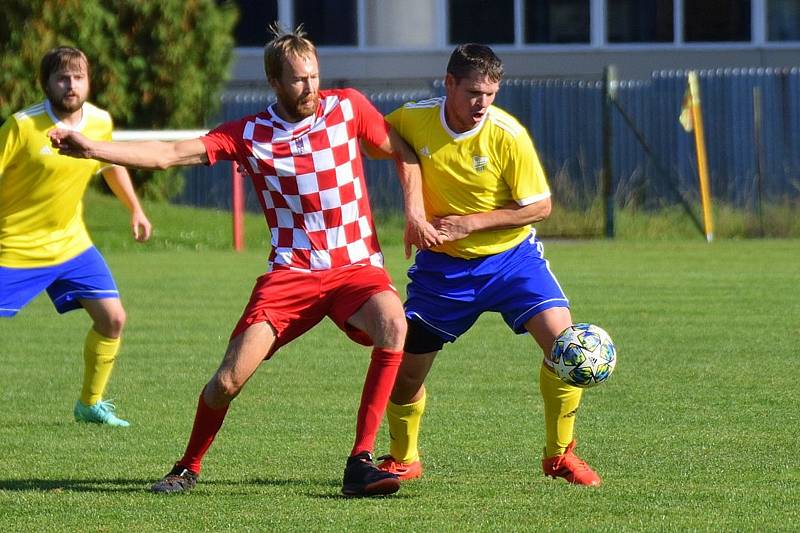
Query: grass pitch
{"points": [[695, 431]]}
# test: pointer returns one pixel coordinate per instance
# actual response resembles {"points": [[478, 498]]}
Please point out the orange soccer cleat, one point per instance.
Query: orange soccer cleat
{"points": [[403, 471], [570, 467]]}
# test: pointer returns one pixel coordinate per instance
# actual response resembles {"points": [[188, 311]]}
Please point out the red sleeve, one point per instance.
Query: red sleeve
{"points": [[224, 141], [371, 125]]}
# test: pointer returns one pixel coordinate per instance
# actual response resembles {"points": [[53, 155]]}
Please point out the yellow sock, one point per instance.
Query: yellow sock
{"points": [[404, 423], [560, 405], [99, 353]]}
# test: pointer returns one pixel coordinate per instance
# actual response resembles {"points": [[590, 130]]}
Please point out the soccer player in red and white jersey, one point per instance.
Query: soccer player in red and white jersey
{"points": [[303, 155]]}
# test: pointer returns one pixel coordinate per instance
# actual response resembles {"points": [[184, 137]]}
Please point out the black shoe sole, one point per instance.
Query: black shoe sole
{"points": [[383, 487]]}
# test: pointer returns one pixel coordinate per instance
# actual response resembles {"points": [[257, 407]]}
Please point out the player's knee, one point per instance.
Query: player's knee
{"points": [[112, 324], [396, 331], [390, 331], [223, 388]]}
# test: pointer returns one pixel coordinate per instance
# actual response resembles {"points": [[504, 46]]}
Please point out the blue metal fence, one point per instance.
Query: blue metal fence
{"points": [[564, 118]]}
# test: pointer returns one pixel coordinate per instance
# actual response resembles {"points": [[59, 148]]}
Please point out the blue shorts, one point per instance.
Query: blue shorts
{"points": [[448, 294], [85, 276]]}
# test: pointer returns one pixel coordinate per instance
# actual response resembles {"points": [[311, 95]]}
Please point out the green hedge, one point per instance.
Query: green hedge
{"points": [[156, 64]]}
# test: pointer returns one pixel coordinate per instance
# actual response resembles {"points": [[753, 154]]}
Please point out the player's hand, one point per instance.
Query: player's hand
{"points": [[71, 143], [420, 233], [141, 227], [452, 227]]}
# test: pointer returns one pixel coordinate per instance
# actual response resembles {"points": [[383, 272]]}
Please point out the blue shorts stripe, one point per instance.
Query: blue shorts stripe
{"points": [[443, 334]]}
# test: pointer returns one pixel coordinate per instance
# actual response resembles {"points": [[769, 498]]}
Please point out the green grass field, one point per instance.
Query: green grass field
{"points": [[697, 429]]}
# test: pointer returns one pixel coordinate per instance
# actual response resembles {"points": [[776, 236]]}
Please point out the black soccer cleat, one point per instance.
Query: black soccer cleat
{"points": [[179, 479], [363, 478]]}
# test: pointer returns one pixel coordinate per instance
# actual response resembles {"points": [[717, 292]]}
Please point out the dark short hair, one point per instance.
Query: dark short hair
{"points": [[285, 44], [59, 58], [473, 57]]}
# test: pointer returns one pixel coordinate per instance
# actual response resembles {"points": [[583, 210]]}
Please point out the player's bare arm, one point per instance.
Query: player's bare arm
{"points": [[513, 215], [419, 232], [119, 181], [148, 155]]}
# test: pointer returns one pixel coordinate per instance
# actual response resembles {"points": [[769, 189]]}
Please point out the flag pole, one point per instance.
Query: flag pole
{"points": [[702, 162]]}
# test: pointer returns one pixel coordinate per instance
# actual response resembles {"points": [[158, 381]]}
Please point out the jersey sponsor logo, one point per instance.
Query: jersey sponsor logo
{"points": [[479, 162]]}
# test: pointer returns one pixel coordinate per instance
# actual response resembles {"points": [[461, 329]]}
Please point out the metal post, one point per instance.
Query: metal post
{"points": [[237, 207], [757, 113], [607, 183]]}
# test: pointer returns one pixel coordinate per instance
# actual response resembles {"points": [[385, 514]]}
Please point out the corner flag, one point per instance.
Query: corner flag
{"points": [[692, 120]]}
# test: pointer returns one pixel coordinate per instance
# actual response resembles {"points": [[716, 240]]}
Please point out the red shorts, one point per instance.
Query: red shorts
{"points": [[293, 302]]}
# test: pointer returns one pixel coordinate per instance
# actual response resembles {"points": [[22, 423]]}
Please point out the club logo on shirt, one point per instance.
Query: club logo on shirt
{"points": [[479, 162], [46, 150], [299, 146], [425, 151]]}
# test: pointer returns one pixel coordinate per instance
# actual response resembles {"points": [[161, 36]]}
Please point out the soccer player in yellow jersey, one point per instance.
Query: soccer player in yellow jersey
{"points": [[44, 244], [483, 187]]}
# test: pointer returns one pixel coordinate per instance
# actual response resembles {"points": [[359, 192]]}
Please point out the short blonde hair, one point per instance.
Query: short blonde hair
{"points": [[285, 44]]}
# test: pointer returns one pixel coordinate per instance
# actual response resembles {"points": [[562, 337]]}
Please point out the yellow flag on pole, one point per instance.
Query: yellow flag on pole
{"points": [[685, 117]]}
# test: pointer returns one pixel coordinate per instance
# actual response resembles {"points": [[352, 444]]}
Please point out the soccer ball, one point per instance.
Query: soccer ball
{"points": [[583, 355]]}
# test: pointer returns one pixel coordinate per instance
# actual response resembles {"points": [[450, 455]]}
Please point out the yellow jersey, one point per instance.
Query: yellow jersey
{"points": [[41, 191], [483, 169]]}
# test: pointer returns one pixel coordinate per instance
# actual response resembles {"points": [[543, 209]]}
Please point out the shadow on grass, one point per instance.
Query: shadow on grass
{"points": [[317, 489], [136, 485], [75, 485]]}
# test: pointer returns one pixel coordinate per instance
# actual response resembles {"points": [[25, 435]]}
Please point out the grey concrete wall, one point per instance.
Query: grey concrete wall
{"points": [[407, 68]]}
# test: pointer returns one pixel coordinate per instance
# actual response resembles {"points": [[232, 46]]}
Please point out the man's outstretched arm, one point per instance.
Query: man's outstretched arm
{"points": [[148, 155]]}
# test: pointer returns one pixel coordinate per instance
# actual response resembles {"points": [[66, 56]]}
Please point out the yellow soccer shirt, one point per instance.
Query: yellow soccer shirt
{"points": [[480, 170], [41, 191]]}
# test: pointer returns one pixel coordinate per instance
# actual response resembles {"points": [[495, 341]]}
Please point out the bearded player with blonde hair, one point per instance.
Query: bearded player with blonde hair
{"points": [[303, 156]]}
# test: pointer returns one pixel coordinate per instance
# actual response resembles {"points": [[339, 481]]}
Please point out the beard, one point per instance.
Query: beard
{"points": [[67, 103], [301, 107]]}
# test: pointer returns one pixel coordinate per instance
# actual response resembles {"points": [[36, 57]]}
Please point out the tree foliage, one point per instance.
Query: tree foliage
{"points": [[156, 64]]}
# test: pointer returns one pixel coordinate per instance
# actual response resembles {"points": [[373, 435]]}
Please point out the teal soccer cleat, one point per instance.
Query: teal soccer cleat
{"points": [[100, 413]]}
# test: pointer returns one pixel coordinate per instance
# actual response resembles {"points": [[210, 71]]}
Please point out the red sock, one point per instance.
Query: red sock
{"points": [[207, 422], [377, 387]]}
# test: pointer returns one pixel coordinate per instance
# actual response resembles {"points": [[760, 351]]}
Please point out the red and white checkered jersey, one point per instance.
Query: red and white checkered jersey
{"points": [[309, 178]]}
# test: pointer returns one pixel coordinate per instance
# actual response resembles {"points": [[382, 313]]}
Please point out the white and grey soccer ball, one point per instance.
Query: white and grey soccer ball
{"points": [[584, 355]]}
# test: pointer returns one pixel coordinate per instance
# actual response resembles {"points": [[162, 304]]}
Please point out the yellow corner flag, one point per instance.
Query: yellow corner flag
{"points": [[692, 120], [685, 117]]}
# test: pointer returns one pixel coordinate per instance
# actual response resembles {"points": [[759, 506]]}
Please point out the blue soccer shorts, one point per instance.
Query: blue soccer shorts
{"points": [[448, 294], [86, 276]]}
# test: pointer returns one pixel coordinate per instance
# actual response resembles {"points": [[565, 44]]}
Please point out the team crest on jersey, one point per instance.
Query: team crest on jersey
{"points": [[299, 146], [425, 151], [479, 162]]}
